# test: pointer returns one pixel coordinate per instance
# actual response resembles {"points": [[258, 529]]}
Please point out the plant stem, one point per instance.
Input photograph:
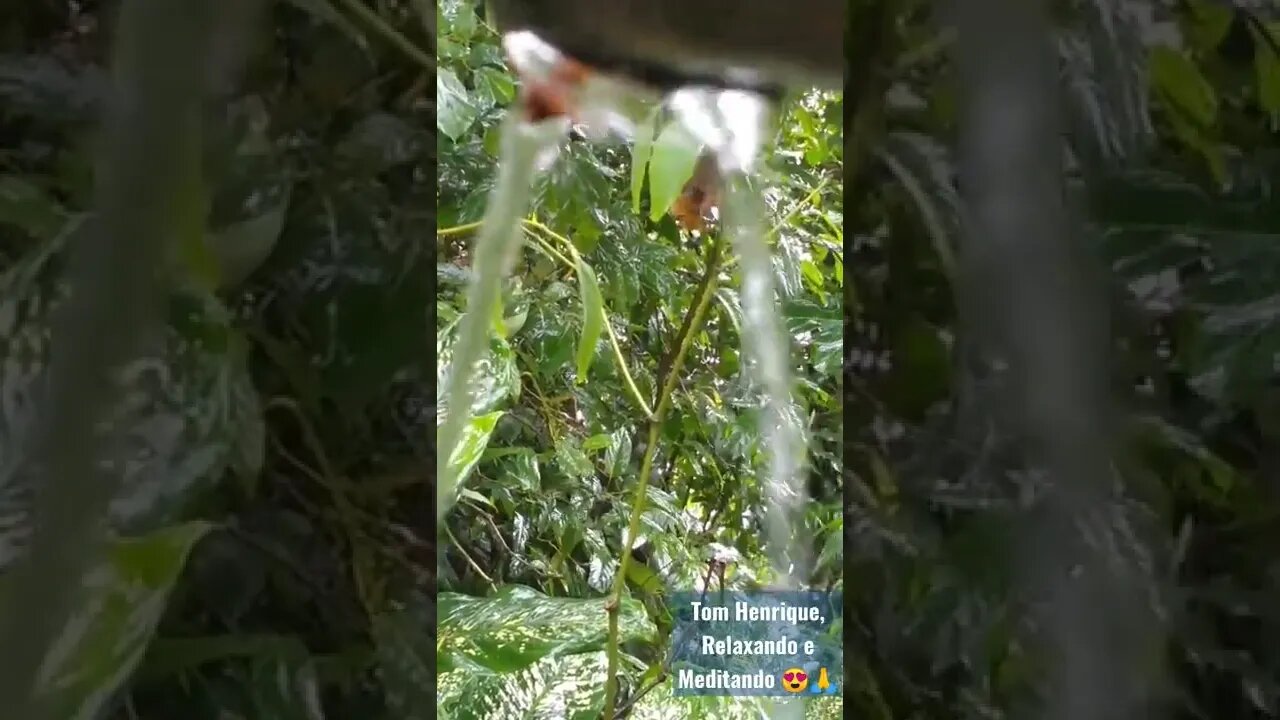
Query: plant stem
{"points": [[697, 311], [608, 326]]}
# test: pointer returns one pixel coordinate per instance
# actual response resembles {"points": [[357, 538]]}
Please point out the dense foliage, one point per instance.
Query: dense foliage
{"points": [[599, 303]]}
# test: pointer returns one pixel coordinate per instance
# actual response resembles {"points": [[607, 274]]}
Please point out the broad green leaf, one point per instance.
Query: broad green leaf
{"points": [[596, 442], [572, 460], [520, 469], [570, 687], [475, 438], [1179, 80], [454, 110], [519, 626], [641, 151], [242, 247], [593, 317], [617, 456], [495, 86], [123, 601], [675, 153], [644, 578]]}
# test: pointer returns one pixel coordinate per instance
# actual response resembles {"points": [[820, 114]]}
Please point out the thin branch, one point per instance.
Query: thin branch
{"points": [[697, 311]]}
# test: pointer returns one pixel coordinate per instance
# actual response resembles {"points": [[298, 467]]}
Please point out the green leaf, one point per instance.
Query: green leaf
{"points": [[1179, 80], [593, 318], [242, 247], [565, 688], [675, 153], [454, 110], [475, 438], [597, 442], [124, 600], [572, 460], [641, 150], [495, 86], [519, 626]]}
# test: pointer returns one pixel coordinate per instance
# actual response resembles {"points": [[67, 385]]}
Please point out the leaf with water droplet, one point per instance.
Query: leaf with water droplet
{"points": [[593, 318], [675, 153]]}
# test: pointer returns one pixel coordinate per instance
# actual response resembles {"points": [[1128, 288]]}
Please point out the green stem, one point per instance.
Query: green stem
{"points": [[459, 229], [608, 326], [533, 225], [697, 312]]}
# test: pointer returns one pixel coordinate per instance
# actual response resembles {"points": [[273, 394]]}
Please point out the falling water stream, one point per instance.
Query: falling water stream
{"points": [[732, 125], [524, 145]]}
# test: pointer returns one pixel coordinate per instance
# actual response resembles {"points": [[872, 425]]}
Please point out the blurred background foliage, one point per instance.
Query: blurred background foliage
{"points": [[1173, 112], [276, 531]]}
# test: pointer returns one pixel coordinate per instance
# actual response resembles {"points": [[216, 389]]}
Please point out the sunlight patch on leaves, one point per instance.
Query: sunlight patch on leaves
{"points": [[519, 626]]}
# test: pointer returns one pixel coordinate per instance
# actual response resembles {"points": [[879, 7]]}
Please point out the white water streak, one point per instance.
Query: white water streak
{"points": [[497, 247], [732, 125]]}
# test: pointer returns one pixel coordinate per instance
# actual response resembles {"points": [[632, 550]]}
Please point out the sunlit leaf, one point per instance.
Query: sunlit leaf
{"points": [[470, 448], [519, 626], [593, 317], [675, 153], [454, 110]]}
